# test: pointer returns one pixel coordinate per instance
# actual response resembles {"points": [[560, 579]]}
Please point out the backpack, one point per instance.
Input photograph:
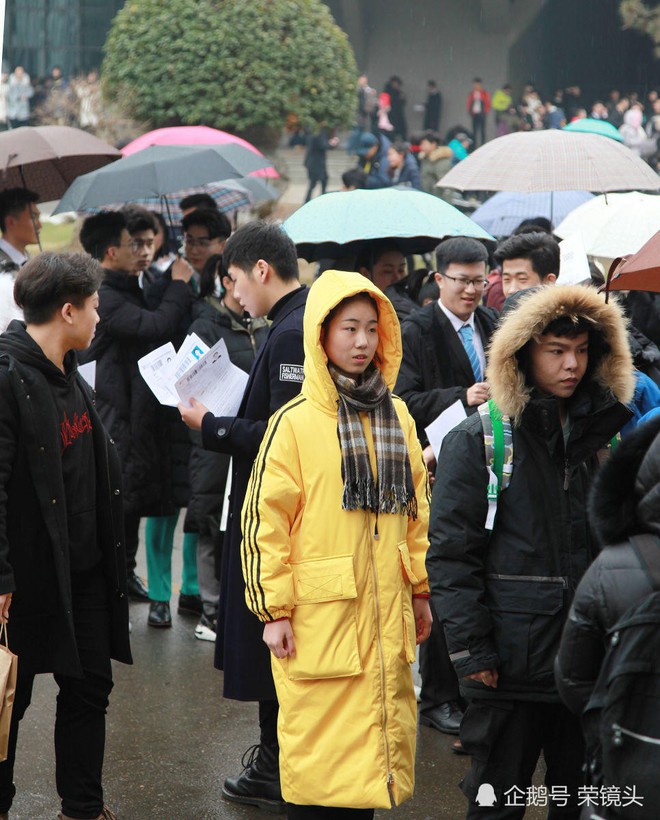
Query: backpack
{"points": [[498, 446], [621, 721]]}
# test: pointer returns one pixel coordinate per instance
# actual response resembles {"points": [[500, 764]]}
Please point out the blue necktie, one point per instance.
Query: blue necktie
{"points": [[466, 334]]}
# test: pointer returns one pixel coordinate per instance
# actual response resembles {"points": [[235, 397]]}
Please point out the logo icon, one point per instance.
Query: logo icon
{"points": [[486, 795]]}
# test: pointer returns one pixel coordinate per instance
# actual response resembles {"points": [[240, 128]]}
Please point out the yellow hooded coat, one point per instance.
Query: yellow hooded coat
{"points": [[348, 714]]}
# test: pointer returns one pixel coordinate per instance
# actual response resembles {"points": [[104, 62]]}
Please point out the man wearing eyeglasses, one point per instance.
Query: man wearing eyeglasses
{"points": [[204, 234], [444, 361]]}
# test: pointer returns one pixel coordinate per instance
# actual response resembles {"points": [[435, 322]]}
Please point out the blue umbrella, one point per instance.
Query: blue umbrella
{"points": [[340, 223], [586, 125], [504, 211]]}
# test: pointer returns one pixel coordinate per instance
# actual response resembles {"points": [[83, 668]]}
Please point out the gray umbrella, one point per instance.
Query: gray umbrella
{"points": [[48, 158], [157, 171]]}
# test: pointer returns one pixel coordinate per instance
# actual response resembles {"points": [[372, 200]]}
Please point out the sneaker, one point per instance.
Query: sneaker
{"points": [[205, 629], [190, 605]]}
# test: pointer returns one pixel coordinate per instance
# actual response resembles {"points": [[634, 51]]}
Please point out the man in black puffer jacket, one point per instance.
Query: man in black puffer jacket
{"points": [[560, 368]]}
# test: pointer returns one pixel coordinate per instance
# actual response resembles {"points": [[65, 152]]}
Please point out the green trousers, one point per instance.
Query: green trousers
{"points": [[159, 538]]}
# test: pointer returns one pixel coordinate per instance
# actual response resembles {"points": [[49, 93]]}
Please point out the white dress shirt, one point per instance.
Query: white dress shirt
{"points": [[457, 324]]}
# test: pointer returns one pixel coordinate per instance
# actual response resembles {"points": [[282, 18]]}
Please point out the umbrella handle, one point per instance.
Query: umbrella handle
{"points": [[610, 275]]}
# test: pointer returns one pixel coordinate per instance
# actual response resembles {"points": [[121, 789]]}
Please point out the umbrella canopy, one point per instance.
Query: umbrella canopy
{"points": [[158, 171], [641, 271], [615, 224], [587, 125], [194, 135], [48, 158], [339, 224], [229, 195], [552, 160], [504, 211]]}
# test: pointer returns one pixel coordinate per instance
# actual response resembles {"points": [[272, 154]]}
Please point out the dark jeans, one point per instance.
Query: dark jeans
{"points": [[439, 682], [81, 707], [505, 739], [131, 540], [479, 128], [313, 182], [326, 813]]}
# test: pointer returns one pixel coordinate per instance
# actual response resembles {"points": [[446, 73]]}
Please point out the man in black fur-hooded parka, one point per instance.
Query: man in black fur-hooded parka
{"points": [[560, 369]]}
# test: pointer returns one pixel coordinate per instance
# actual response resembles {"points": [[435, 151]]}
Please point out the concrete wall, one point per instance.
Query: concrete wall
{"points": [[449, 41]]}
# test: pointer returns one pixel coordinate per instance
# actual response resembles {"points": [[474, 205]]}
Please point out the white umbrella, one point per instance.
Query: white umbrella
{"points": [[613, 225]]}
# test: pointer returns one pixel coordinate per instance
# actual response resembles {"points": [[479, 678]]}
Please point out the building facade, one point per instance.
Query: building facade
{"points": [[40, 34]]}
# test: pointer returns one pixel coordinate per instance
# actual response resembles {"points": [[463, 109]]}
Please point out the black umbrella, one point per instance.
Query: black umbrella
{"points": [[157, 171]]}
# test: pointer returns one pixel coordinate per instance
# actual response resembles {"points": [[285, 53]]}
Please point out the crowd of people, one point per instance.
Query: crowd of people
{"points": [[346, 539], [49, 100], [390, 155]]}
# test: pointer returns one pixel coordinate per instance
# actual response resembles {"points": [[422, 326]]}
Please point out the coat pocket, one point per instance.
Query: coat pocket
{"points": [[409, 630], [324, 620], [527, 623]]}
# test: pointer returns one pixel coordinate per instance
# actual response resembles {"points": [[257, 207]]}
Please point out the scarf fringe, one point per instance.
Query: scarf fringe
{"points": [[362, 494]]}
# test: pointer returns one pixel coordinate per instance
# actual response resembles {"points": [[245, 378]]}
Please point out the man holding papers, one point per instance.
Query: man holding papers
{"points": [[444, 362], [127, 331], [262, 264]]}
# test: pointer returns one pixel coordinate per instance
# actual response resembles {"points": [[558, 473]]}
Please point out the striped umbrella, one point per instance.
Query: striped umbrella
{"points": [[552, 160]]}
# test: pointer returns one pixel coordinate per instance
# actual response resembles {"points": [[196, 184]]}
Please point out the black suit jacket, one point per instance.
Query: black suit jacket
{"points": [[275, 378], [435, 369]]}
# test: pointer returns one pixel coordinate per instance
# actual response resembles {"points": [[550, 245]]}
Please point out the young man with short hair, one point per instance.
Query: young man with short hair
{"points": [[19, 223], [62, 577], [261, 262], [528, 260], [504, 567], [127, 331], [204, 234]]}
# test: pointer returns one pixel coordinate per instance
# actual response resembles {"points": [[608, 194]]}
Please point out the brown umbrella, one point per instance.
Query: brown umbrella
{"points": [[552, 160], [48, 158], [640, 271]]}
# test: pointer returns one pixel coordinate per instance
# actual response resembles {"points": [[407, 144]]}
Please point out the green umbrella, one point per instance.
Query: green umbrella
{"points": [[341, 223], [589, 126]]}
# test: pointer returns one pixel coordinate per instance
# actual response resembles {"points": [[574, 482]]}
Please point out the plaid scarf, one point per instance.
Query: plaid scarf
{"points": [[394, 491]]}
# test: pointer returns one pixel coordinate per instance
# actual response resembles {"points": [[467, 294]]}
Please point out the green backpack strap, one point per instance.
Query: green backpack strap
{"points": [[498, 447]]}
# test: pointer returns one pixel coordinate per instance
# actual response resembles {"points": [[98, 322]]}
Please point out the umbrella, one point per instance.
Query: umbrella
{"points": [[48, 158], [339, 224], [193, 135], [503, 212], [614, 224], [587, 125], [638, 272], [229, 195], [551, 160], [157, 171]]}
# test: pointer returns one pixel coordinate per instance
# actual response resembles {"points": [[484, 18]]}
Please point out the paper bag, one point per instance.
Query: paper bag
{"points": [[8, 669]]}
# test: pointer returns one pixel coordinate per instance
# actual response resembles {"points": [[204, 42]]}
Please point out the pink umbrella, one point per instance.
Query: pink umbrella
{"points": [[193, 135]]}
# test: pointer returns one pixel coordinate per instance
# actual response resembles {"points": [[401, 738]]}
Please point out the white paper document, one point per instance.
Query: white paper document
{"points": [[573, 264], [88, 372], [446, 421], [214, 381], [194, 371]]}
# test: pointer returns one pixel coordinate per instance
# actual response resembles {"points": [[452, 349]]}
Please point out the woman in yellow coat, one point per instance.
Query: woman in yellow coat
{"points": [[334, 540]]}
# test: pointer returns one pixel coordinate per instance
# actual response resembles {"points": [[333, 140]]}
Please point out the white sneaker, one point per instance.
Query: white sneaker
{"points": [[205, 629]]}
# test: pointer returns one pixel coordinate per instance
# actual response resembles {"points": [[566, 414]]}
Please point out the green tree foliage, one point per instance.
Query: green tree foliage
{"points": [[240, 65], [641, 16]]}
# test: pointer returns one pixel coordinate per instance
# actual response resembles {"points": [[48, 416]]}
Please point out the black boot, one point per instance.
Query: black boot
{"points": [[259, 783]]}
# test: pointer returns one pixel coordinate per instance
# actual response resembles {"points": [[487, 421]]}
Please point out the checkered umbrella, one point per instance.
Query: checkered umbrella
{"points": [[552, 160]]}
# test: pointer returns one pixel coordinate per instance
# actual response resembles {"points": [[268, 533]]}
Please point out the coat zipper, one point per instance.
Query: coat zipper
{"points": [[390, 777], [619, 731], [567, 474]]}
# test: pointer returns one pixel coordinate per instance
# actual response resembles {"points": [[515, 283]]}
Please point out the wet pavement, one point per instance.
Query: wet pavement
{"points": [[172, 739]]}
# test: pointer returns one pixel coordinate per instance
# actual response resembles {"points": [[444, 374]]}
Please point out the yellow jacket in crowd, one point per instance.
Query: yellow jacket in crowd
{"points": [[348, 713]]}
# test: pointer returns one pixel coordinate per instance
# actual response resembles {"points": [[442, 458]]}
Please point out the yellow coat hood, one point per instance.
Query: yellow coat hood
{"points": [[325, 294]]}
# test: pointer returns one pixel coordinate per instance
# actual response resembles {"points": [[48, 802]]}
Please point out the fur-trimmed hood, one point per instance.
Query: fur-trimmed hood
{"points": [[505, 377], [625, 497]]}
